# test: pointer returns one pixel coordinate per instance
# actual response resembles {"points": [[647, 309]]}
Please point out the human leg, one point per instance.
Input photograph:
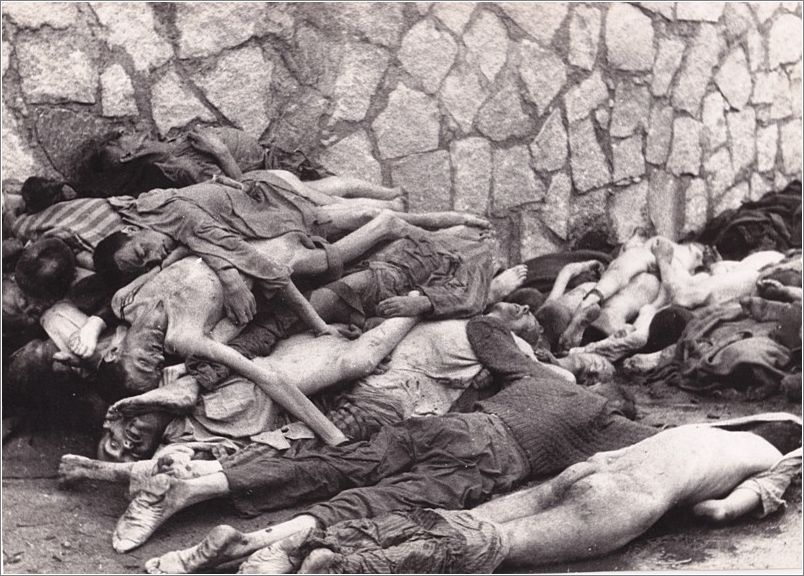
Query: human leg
{"points": [[625, 304], [349, 187], [224, 544]]}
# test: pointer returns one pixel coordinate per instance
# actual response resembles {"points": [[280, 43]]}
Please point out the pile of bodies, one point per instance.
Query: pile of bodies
{"points": [[280, 341]]}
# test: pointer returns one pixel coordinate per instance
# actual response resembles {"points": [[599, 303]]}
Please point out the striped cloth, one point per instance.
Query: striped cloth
{"points": [[83, 222]]}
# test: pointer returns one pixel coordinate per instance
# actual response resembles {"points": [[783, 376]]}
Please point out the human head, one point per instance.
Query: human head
{"points": [[20, 311], [46, 269], [666, 328], [125, 255], [518, 318], [531, 297], [133, 364], [128, 439], [39, 193]]}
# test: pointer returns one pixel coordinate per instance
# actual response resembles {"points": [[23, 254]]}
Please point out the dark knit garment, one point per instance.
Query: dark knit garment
{"points": [[555, 423]]}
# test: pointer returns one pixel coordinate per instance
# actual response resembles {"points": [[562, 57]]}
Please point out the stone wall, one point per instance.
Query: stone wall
{"points": [[553, 119]]}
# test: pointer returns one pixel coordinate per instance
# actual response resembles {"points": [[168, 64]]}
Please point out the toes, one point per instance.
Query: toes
{"points": [[152, 566]]}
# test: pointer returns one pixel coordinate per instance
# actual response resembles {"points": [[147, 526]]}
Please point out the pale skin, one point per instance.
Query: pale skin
{"points": [[635, 259], [598, 506]]}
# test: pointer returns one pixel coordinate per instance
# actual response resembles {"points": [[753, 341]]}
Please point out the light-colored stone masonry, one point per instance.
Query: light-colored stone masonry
{"points": [[551, 118]]}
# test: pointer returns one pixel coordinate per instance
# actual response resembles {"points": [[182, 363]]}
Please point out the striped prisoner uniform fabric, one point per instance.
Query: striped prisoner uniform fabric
{"points": [[83, 221]]}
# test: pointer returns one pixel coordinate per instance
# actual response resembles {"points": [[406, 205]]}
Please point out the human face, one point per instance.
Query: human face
{"points": [[144, 250], [518, 318], [130, 439], [19, 310]]}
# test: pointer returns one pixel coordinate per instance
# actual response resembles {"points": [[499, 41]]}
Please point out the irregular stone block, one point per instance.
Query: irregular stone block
{"points": [[719, 172], [426, 179], [602, 117], [629, 38], [117, 92], [755, 46], [685, 156], [627, 158], [361, 70], [660, 133], [56, 67], [5, 53], [714, 119], [66, 136], [665, 9], [628, 209], [58, 15], [462, 94], [790, 140], [130, 25], [514, 182], [409, 124], [535, 239], [379, 22], [352, 156], [454, 15], [766, 85], [696, 207], [315, 58], [734, 79], [549, 148], [237, 86], [471, 161], [732, 199], [738, 19], [767, 139], [539, 19], [427, 54], [589, 167], [16, 160], [702, 56], [174, 106], [543, 72], [796, 94], [297, 127], [584, 35], [784, 40], [665, 204], [759, 187], [782, 105], [423, 7], [556, 212], [588, 214], [486, 44], [742, 133], [502, 116], [631, 106], [667, 61], [764, 10], [699, 11], [585, 97]]}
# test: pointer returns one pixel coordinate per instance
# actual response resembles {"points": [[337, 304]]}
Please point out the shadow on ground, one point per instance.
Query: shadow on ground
{"points": [[46, 530]]}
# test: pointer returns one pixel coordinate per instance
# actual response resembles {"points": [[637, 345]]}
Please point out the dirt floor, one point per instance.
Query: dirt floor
{"points": [[46, 530]]}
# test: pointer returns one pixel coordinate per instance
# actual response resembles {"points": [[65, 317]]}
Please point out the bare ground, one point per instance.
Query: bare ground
{"points": [[46, 530]]}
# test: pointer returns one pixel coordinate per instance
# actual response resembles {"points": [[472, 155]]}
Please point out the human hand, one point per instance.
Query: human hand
{"points": [[67, 363], [328, 330], [238, 301], [207, 141]]}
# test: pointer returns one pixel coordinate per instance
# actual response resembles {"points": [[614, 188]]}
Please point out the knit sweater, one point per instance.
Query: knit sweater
{"points": [[556, 423]]}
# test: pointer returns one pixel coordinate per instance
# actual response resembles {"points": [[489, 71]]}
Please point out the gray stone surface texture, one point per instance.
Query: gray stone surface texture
{"points": [[550, 118], [629, 38], [472, 170], [685, 151], [514, 182]]}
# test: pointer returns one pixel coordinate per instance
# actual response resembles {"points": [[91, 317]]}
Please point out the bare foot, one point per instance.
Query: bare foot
{"points": [[222, 544], [278, 558], [713, 510], [318, 561], [578, 268], [507, 281], [572, 336], [476, 221], [172, 399], [407, 306], [161, 497], [662, 250], [73, 469]]}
